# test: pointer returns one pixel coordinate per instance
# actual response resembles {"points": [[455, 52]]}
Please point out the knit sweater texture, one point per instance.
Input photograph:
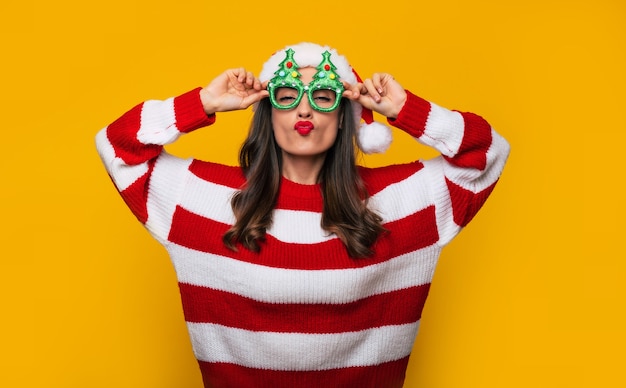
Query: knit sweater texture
{"points": [[302, 312]]}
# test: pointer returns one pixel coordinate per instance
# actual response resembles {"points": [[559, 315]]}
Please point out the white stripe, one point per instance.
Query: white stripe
{"points": [[476, 180], [279, 285], [403, 198], [434, 173], [209, 200], [122, 174], [158, 122], [213, 201], [497, 156], [166, 187], [444, 130], [300, 227], [104, 147], [125, 175], [301, 352]]}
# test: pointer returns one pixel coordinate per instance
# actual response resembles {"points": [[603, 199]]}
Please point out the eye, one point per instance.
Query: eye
{"points": [[324, 98], [285, 96]]}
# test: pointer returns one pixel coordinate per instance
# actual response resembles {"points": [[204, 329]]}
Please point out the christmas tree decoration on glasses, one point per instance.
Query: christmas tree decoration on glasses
{"points": [[324, 91]]}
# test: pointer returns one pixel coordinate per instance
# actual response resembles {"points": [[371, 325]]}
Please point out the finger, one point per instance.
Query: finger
{"points": [[377, 82], [233, 77], [257, 85], [241, 75], [371, 90], [254, 97], [352, 92], [249, 79], [386, 81]]}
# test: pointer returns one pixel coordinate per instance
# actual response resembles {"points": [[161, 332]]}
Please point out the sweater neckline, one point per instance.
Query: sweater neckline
{"points": [[300, 190]]}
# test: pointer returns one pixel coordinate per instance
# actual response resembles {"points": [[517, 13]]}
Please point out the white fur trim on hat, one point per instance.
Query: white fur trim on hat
{"points": [[308, 54], [372, 137]]}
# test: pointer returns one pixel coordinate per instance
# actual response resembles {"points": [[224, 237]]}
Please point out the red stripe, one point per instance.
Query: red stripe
{"points": [[387, 375], [295, 196], [376, 179], [413, 116], [465, 203], [476, 142], [205, 305], [136, 195], [414, 232], [228, 176], [190, 114], [409, 234], [122, 135]]}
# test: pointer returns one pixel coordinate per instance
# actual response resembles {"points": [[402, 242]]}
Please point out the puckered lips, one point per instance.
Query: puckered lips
{"points": [[303, 127]]}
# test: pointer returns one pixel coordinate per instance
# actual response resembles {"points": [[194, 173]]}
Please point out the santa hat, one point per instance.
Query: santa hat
{"points": [[372, 137]]}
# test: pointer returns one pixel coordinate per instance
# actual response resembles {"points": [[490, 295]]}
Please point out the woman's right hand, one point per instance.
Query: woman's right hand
{"points": [[234, 89]]}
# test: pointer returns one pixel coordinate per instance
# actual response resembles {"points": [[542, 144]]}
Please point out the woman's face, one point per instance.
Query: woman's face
{"points": [[303, 131]]}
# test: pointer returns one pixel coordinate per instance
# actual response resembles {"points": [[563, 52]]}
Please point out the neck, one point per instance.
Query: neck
{"points": [[303, 170]]}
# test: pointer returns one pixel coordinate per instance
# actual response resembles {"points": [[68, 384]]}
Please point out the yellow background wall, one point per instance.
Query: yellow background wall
{"points": [[531, 294]]}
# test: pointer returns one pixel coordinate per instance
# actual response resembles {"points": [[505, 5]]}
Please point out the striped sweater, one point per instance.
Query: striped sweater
{"points": [[301, 312]]}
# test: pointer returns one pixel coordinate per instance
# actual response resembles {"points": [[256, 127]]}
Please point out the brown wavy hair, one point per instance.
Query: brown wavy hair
{"points": [[345, 212]]}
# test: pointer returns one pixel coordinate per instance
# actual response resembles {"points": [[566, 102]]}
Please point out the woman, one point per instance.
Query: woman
{"points": [[298, 268]]}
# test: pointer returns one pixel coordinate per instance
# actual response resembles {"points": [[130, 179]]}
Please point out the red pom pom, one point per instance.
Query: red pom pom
{"points": [[326, 67], [289, 65]]}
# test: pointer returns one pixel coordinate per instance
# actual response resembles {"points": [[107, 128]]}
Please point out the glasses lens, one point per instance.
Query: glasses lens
{"points": [[286, 97], [324, 98]]}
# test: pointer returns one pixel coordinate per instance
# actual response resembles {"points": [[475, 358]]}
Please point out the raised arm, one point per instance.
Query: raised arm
{"points": [[132, 145], [472, 158]]}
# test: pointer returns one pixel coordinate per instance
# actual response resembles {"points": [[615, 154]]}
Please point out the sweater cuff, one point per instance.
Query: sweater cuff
{"points": [[413, 116], [190, 114]]}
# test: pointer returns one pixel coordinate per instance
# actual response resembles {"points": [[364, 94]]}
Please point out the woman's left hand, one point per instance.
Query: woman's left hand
{"points": [[381, 93]]}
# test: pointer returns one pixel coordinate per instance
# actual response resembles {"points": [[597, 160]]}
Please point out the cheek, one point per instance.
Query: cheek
{"points": [[277, 125], [332, 133], [332, 127], [280, 119]]}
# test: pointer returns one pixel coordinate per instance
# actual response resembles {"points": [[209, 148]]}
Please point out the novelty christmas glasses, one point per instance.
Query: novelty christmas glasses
{"points": [[324, 92]]}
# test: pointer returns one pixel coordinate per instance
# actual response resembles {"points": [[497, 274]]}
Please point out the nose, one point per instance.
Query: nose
{"points": [[304, 108]]}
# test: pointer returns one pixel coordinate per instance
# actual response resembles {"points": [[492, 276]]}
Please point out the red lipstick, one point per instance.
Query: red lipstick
{"points": [[303, 127]]}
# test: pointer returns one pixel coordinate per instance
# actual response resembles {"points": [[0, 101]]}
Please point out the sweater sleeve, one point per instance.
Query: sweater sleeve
{"points": [[132, 145], [472, 158]]}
